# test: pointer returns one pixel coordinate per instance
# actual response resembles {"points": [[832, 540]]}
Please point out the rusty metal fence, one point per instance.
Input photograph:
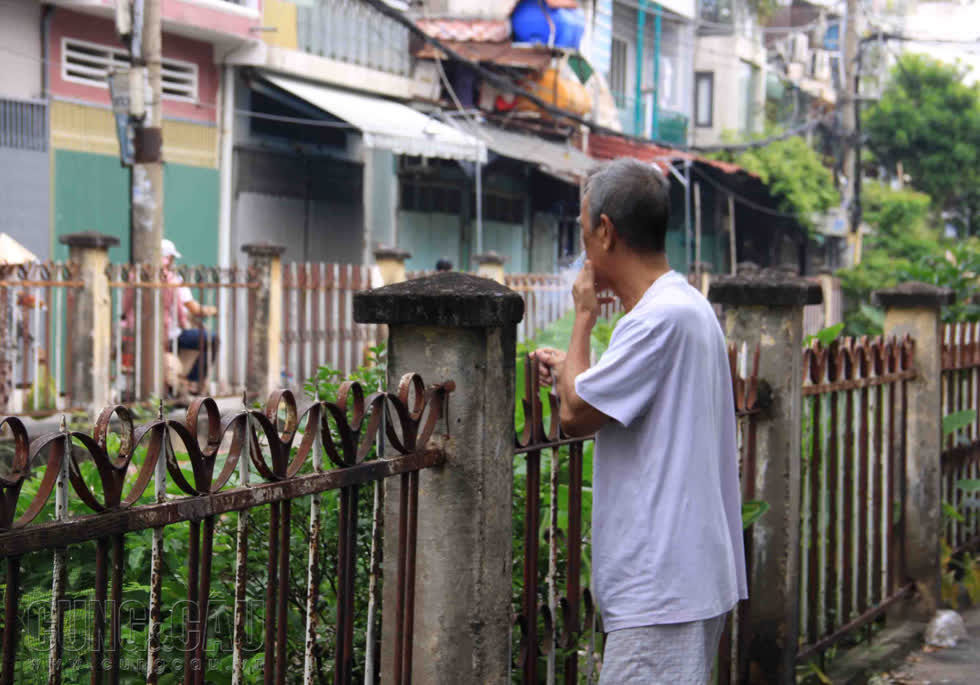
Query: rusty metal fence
{"points": [[557, 627], [220, 329], [35, 302], [318, 322], [170, 547], [960, 459], [852, 488]]}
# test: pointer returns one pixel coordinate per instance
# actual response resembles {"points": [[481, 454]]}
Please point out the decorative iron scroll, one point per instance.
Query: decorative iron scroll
{"points": [[411, 413], [850, 364]]}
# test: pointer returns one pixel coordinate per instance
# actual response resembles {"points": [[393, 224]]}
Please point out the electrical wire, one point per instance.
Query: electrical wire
{"points": [[742, 199]]}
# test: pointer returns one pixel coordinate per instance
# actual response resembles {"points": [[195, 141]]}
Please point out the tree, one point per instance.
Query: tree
{"points": [[795, 175], [901, 248], [928, 120]]}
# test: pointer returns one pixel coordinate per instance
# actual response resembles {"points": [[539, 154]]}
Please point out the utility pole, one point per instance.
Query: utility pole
{"points": [[852, 143], [146, 230]]}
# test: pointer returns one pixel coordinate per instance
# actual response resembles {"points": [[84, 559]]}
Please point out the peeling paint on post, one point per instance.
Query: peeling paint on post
{"points": [[265, 324], [452, 325], [766, 309], [914, 309], [90, 320]]}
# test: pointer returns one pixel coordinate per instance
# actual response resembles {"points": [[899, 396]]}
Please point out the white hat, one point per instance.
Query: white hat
{"points": [[168, 249]]}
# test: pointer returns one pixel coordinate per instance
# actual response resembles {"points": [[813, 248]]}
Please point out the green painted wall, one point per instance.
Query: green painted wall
{"points": [[429, 236], [91, 193], [190, 212]]}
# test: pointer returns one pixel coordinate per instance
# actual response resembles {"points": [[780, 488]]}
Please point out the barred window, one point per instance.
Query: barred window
{"points": [[91, 63]]}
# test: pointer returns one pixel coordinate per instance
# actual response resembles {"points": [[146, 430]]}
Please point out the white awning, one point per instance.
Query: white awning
{"points": [[386, 124]]}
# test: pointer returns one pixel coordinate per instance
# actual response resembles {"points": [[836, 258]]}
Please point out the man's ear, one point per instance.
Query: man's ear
{"points": [[607, 233]]}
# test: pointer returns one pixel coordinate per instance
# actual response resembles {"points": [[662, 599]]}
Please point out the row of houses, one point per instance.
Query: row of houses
{"points": [[329, 127]]}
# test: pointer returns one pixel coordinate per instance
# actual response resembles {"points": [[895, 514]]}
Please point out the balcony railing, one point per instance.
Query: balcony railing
{"points": [[350, 31], [672, 125]]}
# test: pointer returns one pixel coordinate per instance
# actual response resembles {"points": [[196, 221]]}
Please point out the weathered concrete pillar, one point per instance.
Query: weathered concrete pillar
{"points": [[391, 262], [914, 309], [490, 265], [765, 308], [828, 284], [453, 326], [265, 320], [90, 321]]}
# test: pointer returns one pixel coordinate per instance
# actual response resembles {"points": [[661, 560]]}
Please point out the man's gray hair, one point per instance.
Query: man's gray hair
{"points": [[636, 198]]}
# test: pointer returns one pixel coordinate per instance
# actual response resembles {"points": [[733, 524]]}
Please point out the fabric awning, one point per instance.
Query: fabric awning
{"points": [[556, 159], [386, 124]]}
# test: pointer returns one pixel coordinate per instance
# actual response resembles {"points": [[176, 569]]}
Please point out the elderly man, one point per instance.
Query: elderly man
{"points": [[667, 549]]}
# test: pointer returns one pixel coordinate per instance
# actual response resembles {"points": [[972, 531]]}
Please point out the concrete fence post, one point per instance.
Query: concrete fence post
{"points": [[90, 321], [454, 326], [490, 265], [264, 370], [765, 308], [914, 309], [391, 263]]}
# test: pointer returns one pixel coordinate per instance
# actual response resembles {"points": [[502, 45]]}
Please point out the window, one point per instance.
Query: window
{"points": [[506, 208], [704, 99], [429, 195], [90, 63], [617, 71]]}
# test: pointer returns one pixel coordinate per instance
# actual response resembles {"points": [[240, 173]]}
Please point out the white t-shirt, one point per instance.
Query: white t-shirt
{"points": [[183, 297], [666, 507]]}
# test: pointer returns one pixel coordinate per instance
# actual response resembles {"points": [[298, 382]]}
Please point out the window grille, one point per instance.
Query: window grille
{"points": [[91, 63]]}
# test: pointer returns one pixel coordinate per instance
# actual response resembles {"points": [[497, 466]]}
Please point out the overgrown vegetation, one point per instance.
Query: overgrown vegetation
{"points": [[928, 121], [795, 174], [904, 247]]}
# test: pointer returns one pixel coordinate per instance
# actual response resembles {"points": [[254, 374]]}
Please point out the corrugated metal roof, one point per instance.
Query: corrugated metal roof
{"points": [[555, 159], [613, 147]]}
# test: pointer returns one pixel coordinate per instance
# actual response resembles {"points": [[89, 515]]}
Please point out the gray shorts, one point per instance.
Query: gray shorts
{"points": [[674, 653]]}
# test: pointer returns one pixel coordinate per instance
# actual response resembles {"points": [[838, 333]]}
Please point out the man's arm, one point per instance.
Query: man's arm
{"points": [[578, 417]]}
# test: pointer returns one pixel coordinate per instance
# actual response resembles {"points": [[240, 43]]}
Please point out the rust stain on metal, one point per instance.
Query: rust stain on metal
{"points": [[279, 458]]}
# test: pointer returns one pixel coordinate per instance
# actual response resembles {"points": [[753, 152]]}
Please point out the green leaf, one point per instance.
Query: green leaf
{"points": [[830, 334], [752, 511], [955, 422], [949, 512], [968, 485]]}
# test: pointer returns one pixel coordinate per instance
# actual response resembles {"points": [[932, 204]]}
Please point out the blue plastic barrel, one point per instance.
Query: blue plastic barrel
{"points": [[529, 24]]}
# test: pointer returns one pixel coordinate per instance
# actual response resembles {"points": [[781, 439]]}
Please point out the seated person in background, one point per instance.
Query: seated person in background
{"points": [[187, 337], [177, 306]]}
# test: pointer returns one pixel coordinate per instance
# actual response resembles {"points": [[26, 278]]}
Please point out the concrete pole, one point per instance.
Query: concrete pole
{"points": [[453, 326], [146, 230], [226, 202], [90, 321], [490, 265], [848, 96], [766, 309], [264, 365], [914, 309]]}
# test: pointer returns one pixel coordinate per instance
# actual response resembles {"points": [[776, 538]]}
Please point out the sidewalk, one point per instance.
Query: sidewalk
{"points": [[958, 665]]}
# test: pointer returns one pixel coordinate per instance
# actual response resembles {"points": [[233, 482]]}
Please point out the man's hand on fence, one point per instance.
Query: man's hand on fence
{"points": [[549, 361]]}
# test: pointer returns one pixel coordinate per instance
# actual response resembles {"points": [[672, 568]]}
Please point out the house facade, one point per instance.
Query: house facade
{"points": [[332, 129]]}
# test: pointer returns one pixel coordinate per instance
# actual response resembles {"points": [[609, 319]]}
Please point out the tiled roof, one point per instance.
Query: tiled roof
{"points": [[467, 30], [613, 147]]}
